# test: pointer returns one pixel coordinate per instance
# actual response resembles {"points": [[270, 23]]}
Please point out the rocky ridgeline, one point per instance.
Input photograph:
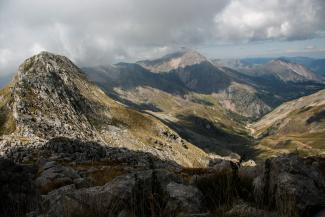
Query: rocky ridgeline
{"points": [[47, 99]]}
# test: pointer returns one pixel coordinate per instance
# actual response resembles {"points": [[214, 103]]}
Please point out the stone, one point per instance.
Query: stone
{"points": [[53, 175], [187, 200], [81, 183], [244, 210], [126, 195], [291, 186], [249, 163]]}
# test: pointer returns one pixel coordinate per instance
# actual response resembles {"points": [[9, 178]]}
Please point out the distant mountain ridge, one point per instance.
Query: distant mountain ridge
{"points": [[169, 62], [207, 104], [186, 71], [315, 65], [286, 71]]}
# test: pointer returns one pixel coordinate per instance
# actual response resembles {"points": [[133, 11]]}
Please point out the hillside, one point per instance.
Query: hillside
{"points": [[188, 113], [298, 124], [50, 98], [189, 100]]}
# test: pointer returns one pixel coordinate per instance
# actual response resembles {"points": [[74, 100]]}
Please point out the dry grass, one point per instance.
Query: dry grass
{"points": [[105, 175], [7, 121], [100, 172]]}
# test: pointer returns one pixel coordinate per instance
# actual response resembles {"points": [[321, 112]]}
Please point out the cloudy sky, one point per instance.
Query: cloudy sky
{"points": [[93, 32]]}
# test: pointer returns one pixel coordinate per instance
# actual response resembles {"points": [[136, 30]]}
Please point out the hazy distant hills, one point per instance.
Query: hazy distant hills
{"points": [[284, 71], [281, 78], [315, 65]]}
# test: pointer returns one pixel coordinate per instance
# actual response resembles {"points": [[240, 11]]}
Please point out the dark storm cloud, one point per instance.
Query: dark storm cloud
{"points": [[100, 31]]}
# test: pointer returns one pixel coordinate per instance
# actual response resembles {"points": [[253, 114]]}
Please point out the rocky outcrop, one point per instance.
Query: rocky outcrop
{"points": [[52, 175], [188, 199], [244, 100], [292, 186], [139, 194], [287, 186]]}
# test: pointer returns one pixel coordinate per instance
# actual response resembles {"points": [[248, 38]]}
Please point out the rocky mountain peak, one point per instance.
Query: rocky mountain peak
{"points": [[288, 71], [48, 98], [46, 63], [188, 55], [169, 62]]}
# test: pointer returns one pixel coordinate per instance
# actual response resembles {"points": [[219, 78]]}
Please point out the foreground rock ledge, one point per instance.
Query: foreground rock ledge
{"points": [[284, 186]]}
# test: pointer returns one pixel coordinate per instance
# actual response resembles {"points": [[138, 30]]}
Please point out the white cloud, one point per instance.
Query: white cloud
{"points": [[101, 31], [310, 47], [270, 19]]}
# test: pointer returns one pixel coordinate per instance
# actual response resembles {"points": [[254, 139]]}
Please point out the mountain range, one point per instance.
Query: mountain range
{"points": [[206, 103], [181, 100], [315, 65], [179, 136]]}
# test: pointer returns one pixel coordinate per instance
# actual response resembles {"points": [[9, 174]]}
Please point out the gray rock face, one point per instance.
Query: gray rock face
{"points": [[244, 100], [117, 198], [53, 175], [292, 186], [47, 99], [186, 198]]}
